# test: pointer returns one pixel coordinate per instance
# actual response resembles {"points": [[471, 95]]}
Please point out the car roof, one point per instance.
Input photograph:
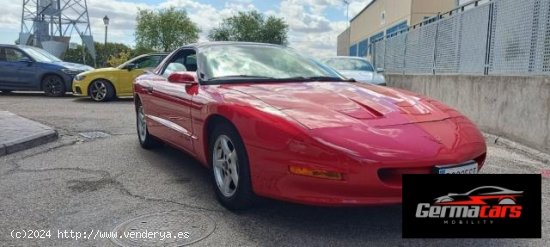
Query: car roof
{"points": [[156, 54]]}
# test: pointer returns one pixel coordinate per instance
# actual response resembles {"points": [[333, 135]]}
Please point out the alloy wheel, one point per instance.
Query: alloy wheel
{"points": [[226, 166], [98, 90], [53, 85], [142, 124]]}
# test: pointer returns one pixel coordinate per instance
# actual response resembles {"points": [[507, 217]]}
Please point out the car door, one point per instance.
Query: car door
{"points": [[26, 68], [173, 103], [141, 64], [6, 77], [14, 72]]}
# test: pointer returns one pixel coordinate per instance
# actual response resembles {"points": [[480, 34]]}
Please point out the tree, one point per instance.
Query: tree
{"points": [[122, 57], [165, 30], [103, 53], [252, 27]]}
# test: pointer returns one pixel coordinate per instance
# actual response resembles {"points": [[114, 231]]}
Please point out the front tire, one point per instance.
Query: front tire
{"points": [[101, 91], [53, 86], [230, 169], [146, 140]]}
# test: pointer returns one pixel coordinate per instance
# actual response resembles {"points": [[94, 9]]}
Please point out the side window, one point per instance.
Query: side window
{"points": [[191, 62], [148, 62], [185, 60], [2, 54], [13, 55]]}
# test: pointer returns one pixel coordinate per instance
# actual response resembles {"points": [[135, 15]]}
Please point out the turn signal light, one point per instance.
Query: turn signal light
{"points": [[317, 173]]}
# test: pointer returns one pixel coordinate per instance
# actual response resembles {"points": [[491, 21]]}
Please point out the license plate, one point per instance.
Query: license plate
{"points": [[469, 168]]}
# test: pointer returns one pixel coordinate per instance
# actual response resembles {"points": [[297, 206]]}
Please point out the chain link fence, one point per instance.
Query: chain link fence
{"points": [[497, 37]]}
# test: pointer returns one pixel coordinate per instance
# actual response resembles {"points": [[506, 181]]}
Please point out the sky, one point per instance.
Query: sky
{"points": [[313, 24]]}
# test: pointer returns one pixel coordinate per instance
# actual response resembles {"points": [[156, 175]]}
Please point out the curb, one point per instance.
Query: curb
{"points": [[28, 142], [39, 134], [532, 153]]}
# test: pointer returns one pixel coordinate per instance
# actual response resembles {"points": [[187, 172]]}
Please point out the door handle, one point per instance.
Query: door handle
{"points": [[148, 89]]}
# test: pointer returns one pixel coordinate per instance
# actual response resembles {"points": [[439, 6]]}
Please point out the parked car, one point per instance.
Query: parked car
{"points": [[271, 122], [27, 68], [356, 68], [106, 83]]}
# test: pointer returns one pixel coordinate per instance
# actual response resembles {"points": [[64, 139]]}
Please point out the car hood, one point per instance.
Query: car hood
{"points": [[338, 104], [74, 66], [102, 70], [372, 121]]}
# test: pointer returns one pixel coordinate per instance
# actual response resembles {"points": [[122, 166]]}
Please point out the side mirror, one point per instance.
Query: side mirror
{"points": [[25, 60], [380, 70], [186, 78], [130, 66]]}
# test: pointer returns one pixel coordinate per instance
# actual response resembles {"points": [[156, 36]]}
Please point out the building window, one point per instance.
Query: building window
{"points": [[353, 50], [363, 48]]}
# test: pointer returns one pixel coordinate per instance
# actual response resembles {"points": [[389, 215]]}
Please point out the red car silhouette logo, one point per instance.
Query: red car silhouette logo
{"points": [[481, 196]]}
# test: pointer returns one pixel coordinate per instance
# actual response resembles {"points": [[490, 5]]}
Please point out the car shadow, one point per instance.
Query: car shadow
{"points": [[280, 223], [31, 94], [87, 100]]}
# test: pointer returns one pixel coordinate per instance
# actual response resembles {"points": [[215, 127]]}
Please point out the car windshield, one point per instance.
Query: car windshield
{"points": [[40, 55], [224, 63], [350, 64]]}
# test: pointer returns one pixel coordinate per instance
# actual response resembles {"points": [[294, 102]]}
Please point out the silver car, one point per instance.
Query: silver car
{"points": [[356, 68]]}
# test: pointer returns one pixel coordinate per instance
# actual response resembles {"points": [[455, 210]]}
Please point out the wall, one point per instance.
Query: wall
{"points": [[343, 44], [515, 107], [368, 22], [424, 8]]}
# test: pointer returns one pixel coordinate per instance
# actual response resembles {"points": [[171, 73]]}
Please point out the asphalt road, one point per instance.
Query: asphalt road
{"points": [[80, 184]]}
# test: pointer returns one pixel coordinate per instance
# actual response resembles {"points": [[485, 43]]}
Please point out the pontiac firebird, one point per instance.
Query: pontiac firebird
{"points": [[271, 122]]}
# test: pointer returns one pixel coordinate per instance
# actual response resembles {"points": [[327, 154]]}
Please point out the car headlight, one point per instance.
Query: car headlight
{"points": [[79, 77], [380, 78], [71, 71]]}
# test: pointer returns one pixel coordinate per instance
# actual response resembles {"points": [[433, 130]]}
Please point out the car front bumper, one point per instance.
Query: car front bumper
{"points": [[79, 88], [364, 183]]}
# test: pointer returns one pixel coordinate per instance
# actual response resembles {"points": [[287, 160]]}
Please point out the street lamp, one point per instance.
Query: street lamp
{"points": [[346, 2], [106, 22]]}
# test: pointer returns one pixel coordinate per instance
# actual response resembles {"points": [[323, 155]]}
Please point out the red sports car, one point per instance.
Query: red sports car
{"points": [[273, 123]]}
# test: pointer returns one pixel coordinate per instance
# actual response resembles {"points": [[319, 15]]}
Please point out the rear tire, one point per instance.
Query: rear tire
{"points": [[101, 91], [146, 140], [230, 169], [53, 86]]}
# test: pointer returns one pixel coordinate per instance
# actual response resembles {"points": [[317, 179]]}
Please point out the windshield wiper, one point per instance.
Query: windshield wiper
{"points": [[233, 77], [314, 78]]}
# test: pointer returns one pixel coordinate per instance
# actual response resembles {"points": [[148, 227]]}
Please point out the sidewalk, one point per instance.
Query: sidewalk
{"points": [[18, 133]]}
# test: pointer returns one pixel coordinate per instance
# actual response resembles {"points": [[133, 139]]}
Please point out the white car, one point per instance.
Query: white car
{"points": [[356, 68]]}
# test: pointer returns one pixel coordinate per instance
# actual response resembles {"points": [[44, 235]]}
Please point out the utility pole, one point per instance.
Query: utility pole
{"points": [[346, 2]]}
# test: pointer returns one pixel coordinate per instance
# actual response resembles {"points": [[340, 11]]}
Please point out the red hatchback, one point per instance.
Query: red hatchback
{"points": [[271, 122]]}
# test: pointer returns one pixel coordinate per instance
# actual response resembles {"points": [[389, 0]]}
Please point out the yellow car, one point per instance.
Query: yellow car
{"points": [[107, 83]]}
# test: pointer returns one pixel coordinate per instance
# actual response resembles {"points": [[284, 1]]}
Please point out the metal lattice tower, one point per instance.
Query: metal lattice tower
{"points": [[50, 24]]}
